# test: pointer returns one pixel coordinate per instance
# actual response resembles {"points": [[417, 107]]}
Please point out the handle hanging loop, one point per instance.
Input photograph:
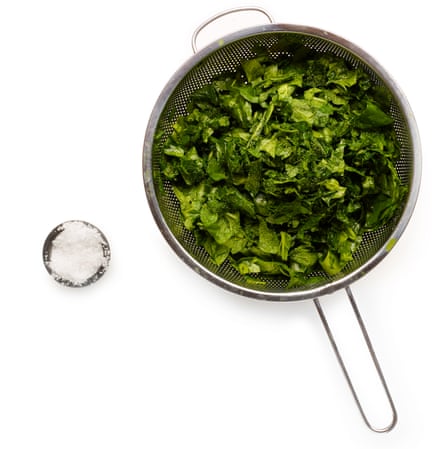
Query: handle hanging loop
{"points": [[372, 353], [225, 13]]}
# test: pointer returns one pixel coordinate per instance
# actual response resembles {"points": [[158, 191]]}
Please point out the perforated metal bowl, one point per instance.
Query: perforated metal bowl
{"points": [[226, 55]]}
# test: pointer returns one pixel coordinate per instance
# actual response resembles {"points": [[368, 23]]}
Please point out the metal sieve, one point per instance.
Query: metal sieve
{"points": [[225, 55]]}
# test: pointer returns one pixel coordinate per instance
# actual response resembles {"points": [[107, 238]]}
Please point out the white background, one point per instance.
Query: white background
{"points": [[152, 355]]}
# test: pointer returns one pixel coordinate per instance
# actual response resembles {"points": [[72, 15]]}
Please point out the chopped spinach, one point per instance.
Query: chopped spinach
{"points": [[282, 166]]}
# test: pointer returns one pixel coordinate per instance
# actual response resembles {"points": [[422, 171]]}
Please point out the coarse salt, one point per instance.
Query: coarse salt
{"points": [[77, 253]]}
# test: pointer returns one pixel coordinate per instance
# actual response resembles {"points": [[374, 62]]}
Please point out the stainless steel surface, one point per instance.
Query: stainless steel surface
{"points": [[226, 54], [212, 61], [225, 13], [344, 368]]}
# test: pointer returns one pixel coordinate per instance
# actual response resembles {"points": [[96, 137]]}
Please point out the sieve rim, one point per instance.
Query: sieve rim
{"points": [[308, 292]]}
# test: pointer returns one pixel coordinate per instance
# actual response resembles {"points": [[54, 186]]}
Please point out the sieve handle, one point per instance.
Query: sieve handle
{"points": [[372, 353], [225, 13]]}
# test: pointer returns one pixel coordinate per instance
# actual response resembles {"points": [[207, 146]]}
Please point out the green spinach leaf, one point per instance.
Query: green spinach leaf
{"points": [[281, 166]]}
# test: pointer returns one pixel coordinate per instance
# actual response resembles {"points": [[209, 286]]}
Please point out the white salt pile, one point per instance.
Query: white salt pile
{"points": [[78, 255]]}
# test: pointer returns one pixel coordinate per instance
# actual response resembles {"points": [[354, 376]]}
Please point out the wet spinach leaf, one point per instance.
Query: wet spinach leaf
{"points": [[283, 165]]}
